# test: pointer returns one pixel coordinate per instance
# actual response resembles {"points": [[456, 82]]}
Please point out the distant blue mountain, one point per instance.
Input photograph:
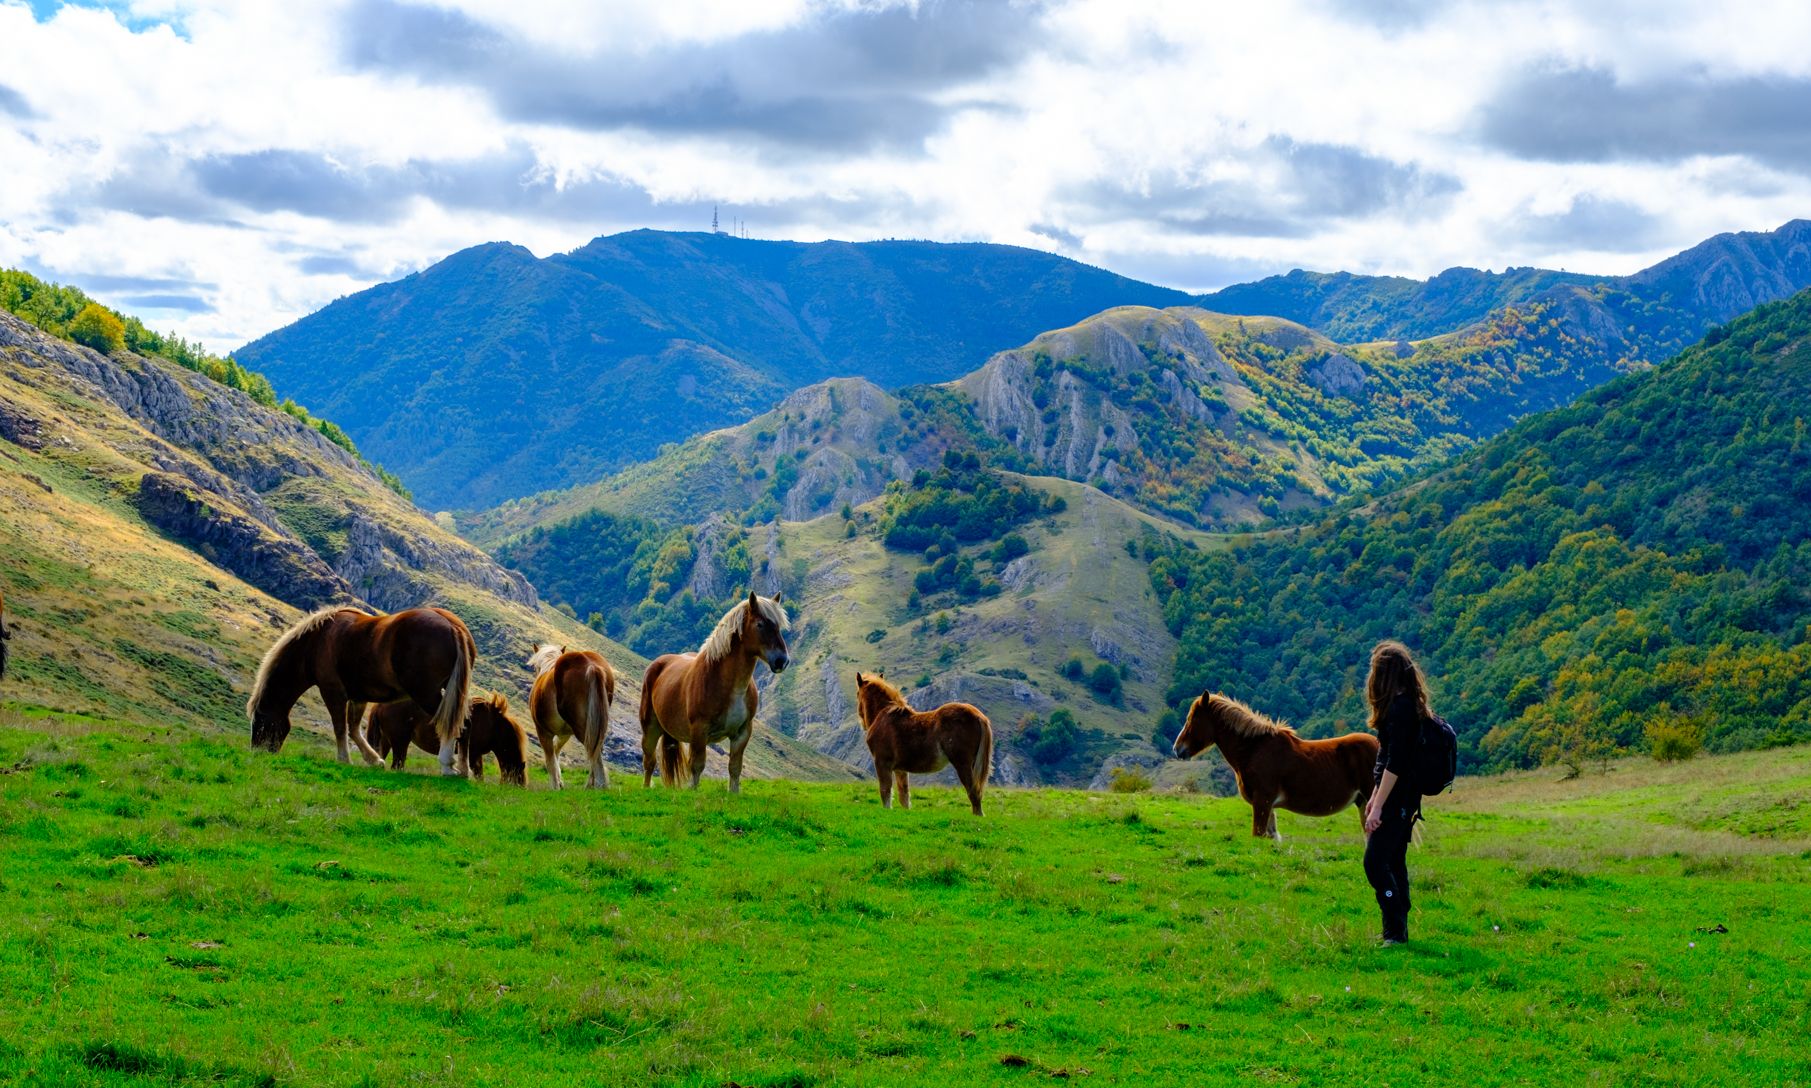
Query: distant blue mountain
{"points": [[495, 374]]}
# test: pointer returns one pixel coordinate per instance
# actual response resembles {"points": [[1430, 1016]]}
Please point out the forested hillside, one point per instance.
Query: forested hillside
{"points": [[1633, 570]]}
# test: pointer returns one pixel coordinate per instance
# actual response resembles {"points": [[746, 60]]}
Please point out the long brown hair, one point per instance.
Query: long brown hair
{"points": [[1393, 673]]}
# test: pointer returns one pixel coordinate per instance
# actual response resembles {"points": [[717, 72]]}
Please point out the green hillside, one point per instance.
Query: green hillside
{"points": [[191, 912], [162, 528], [1629, 569], [494, 374]]}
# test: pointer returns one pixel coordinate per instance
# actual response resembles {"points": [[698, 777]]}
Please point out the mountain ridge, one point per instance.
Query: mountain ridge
{"points": [[666, 333]]}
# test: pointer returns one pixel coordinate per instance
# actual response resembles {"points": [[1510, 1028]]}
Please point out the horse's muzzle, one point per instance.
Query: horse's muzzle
{"points": [[777, 662]]}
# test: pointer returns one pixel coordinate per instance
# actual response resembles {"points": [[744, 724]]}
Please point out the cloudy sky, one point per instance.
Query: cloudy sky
{"points": [[225, 167]]}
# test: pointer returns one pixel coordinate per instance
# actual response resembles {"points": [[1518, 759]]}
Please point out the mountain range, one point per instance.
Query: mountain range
{"points": [[493, 374]]}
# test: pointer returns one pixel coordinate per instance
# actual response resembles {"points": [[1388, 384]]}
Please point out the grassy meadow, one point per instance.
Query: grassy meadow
{"points": [[176, 909]]}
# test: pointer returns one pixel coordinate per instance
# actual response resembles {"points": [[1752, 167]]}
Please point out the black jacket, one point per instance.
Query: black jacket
{"points": [[1398, 732]]}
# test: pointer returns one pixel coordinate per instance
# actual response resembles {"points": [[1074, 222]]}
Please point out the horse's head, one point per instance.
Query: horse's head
{"points": [[270, 727], [493, 730], [872, 695], [764, 630], [1198, 729]]}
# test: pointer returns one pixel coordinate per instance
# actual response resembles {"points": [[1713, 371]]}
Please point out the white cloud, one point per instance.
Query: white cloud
{"points": [[261, 155]]}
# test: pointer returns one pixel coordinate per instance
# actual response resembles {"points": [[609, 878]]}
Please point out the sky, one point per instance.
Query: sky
{"points": [[224, 168]]}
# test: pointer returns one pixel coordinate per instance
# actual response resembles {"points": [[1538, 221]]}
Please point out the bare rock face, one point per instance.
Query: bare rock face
{"points": [[708, 581], [1337, 375], [279, 565]]}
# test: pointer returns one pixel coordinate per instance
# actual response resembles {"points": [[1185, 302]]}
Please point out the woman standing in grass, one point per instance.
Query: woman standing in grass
{"points": [[1398, 699]]}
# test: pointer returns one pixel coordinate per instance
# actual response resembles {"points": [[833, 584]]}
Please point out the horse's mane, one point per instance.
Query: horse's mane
{"points": [[544, 656], [892, 693], [496, 701], [1243, 720], [716, 644], [308, 626]]}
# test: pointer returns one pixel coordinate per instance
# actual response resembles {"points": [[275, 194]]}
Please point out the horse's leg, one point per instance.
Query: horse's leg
{"points": [[1274, 833], [965, 774], [738, 745], [905, 789], [550, 753], [885, 774], [337, 707], [355, 719], [650, 745], [1260, 820], [697, 751]]}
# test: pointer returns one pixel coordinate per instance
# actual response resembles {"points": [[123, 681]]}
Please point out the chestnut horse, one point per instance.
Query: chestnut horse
{"points": [[489, 730], [903, 740], [573, 690], [691, 700], [355, 658], [1277, 769], [4, 636]]}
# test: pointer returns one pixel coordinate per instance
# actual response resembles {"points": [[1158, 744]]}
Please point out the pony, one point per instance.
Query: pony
{"points": [[904, 740], [1277, 769], [489, 730], [691, 700], [355, 658], [573, 690], [4, 636]]}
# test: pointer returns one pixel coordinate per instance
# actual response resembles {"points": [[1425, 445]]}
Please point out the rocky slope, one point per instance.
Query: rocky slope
{"points": [[833, 443], [161, 529]]}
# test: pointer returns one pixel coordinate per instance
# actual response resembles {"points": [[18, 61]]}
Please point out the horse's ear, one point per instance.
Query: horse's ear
{"points": [[754, 602], [859, 678]]}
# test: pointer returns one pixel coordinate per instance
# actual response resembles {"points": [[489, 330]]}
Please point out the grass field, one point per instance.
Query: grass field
{"points": [[180, 910]]}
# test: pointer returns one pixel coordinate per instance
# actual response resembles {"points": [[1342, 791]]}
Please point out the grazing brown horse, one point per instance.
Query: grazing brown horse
{"points": [[489, 730], [354, 658], [4, 636], [690, 700], [903, 740], [1277, 769], [573, 690]]}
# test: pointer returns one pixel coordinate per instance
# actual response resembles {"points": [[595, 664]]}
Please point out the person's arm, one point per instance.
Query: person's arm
{"points": [[1374, 811]]}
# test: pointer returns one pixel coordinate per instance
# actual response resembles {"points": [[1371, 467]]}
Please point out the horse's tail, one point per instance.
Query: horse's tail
{"points": [[669, 760], [984, 754], [375, 734], [456, 699], [597, 715]]}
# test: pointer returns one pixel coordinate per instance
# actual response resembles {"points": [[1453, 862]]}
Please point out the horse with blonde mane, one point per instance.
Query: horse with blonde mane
{"points": [[1277, 769], [424, 655], [903, 740], [489, 730], [690, 700], [573, 690]]}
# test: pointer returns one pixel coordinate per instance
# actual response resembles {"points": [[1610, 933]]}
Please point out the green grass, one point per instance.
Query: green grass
{"points": [[184, 911]]}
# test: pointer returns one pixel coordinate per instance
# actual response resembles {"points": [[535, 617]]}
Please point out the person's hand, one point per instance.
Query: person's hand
{"points": [[1373, 819]]}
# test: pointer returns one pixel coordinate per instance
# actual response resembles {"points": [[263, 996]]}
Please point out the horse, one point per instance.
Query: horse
{"points": [[573, 690], [1277, 769], [4, 636], [356, 658], [904, 740], [690, 700], [489, 730]]}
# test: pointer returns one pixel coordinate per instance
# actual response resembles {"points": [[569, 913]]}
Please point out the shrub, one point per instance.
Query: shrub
{"points": [[1053, 741], [98, 328], [1105, 681], [1073, 669], [1674, 739], [1129, 780]]}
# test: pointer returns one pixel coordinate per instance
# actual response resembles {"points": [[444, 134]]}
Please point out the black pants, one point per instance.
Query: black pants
{"points": [[1386, 861]]}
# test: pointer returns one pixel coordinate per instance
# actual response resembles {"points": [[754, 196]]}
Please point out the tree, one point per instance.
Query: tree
{"points": [[97, 327]]}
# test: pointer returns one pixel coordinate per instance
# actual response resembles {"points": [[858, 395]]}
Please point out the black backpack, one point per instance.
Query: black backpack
{"points": [[1436, 759]]}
